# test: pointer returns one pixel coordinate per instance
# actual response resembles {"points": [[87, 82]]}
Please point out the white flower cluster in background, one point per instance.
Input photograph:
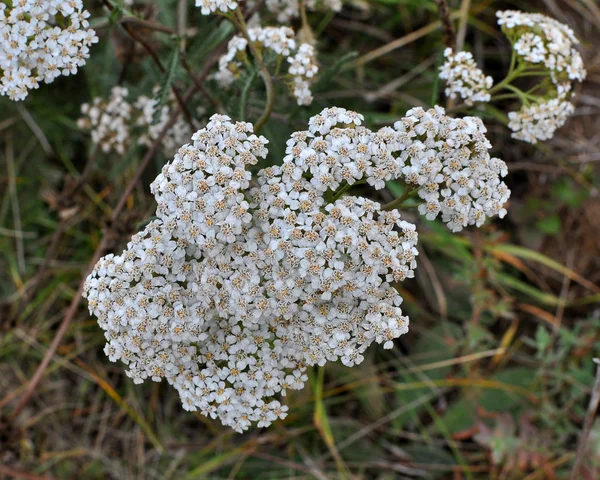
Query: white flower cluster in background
{"points": [[539, 121], [34, 49], [177, 135], [303, 69], [464, 78], [214, 6], [287, 10], [115, 121], [108, 121], [540, 39], [232, 292], [448, 159], [280, 40]]}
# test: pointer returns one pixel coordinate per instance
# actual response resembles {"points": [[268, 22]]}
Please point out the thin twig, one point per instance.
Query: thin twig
{"points": [[587, 425], [240, 23], [150, 50], [403, 41], [465, 6], [157, 27], [391, 87], [39, 373], [209, 96], [35, 129], [19, 474], [86, 172], [390, 47], [182, 6], [447, 25]]}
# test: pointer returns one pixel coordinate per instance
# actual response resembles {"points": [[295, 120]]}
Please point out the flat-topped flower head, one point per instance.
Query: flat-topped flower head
{"points": [[232, 292], [539, 39], [40, 41], [539, 121], [448, 160], [464, 78]]}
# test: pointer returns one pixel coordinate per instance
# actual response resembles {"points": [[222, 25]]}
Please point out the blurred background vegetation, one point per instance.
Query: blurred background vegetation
{"points": [[492, 381]]}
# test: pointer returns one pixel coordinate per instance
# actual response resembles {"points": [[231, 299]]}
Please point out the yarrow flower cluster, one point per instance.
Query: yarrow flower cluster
{"points": [[541, 45], [108, 121], [232, 292], [34, 48], [113, 122], [214, 6], [303, 69], [151, 127], [539, 39], [448, 160], [280, 40], [287, 10], [464, 78], [539, 121]]}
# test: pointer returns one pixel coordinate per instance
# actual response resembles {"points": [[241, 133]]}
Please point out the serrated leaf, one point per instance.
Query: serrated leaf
{"points": [[165, 85], [246, 89]]}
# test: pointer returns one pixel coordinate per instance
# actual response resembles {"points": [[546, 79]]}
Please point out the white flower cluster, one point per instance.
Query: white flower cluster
{"points": [[230, 300], [34, 49], [280, 40], [464, 78], [115, 121], [539, 121], [214, 6], [286, 10], [303, 69], [448, 159], [108, 121], [539, 39], [176, 136], [231, 293]]}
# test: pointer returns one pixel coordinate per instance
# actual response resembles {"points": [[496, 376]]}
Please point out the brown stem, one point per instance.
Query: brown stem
{"points": [[447, 25], [132, 33], [12, 473], [156, 27], [39, 373], [209, 96]]}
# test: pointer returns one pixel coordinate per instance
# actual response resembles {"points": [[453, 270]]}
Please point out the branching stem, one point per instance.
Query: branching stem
{"points": [[240, 23]]}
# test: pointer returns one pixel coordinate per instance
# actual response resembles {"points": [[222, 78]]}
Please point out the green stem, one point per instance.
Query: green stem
{"points": [[504, 96], [343, 189], [240, 23], [340, 192], [522, 95], [513, 61], [394, 204], [514, 73]]}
